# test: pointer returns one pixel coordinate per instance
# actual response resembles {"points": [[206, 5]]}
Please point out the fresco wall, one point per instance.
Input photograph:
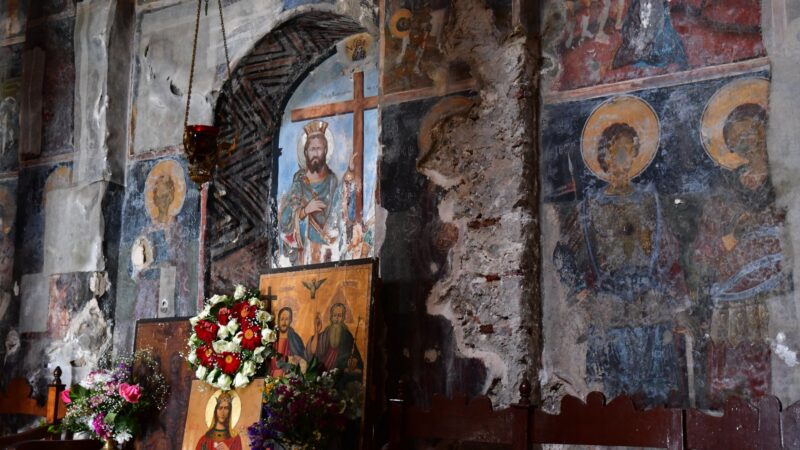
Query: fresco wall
{"points": [[158, 251], [665, 250]]}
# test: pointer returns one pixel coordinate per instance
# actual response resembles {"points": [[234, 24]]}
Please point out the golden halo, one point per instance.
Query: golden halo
{"points": [[628, 110], [236, 409], [171, 169], [720, 107], [301, 144], [396, 28]]}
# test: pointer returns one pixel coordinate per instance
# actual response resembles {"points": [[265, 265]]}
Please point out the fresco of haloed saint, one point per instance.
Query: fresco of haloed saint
{"points": [[668, 241], [318, 179], [622, 242], [604, 41]]}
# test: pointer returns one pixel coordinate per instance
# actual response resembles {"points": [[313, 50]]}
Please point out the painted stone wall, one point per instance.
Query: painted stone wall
{"points": [[667, 256]]}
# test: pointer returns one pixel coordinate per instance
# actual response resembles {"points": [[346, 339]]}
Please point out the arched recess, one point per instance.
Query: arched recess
{"points": [[239, 211]]}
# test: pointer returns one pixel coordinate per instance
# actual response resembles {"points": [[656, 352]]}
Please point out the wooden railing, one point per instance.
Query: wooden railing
{"points": [[521, 426]]}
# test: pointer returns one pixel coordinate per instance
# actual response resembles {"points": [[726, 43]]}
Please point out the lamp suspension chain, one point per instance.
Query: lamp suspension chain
{"points": [[191, 70]]}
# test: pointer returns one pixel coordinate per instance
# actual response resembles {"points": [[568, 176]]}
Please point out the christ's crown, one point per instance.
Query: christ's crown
{"points": [[316, 127]]}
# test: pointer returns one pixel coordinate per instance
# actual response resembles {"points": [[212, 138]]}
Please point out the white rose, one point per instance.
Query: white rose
{"points": [[211, 376], [256, 302], [238, 338], [205, 312], [258, 359], [194, 320], [219, 346], [259, 350], [268, 336], [222, 332], [216, 299], [224, 382], [239, 292], [232, 326], [192, 358], [248, 369], [241, 380], [201, 373], [233, 347], [262, 316]]}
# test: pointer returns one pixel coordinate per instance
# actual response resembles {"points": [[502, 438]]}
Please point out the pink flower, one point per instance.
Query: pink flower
{"points": [[130, 392], [65, 397]]}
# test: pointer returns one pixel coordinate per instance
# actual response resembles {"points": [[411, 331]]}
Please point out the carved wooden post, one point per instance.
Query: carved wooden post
{"points": [[397, 418], [54, 390], [522, 426]]}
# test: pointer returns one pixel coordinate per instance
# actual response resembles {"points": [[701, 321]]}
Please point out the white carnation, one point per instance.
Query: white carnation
{"points": [[192, 358], [256, 302], [239, 292], [201, 373], [194, 320]]}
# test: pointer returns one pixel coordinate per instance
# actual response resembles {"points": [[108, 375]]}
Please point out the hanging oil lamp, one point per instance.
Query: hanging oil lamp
{"points": [[200, 141]]}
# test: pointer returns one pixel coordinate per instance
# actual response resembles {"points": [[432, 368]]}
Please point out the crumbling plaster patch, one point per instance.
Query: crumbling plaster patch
{"points": [[488, 151], [87, 340]]}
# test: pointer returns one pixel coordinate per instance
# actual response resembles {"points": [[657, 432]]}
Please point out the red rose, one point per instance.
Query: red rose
{"points": [[206, 330], [206, 356], [243, 311], [223, 316], [251, 338], [229, 362]]}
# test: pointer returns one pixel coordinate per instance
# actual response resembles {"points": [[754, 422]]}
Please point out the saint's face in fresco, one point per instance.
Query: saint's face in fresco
{"points": [[745, 134], [618, 148]]}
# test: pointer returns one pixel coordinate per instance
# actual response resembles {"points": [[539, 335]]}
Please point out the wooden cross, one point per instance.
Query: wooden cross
{"points": [[357, 106], [269, 297]]}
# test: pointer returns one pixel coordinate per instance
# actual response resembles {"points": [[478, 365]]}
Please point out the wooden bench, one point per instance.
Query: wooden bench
{"points": [[17, 400], [521, 426]]}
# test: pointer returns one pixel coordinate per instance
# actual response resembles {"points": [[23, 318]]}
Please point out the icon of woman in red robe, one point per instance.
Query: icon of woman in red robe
{"points": [[218, 436]]}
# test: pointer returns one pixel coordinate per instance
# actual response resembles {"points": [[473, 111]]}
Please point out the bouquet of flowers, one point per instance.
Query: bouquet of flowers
{"points": [[231, 338], [301, 410], [110, 403]]}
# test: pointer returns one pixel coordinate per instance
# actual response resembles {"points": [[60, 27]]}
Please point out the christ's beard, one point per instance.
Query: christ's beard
{"points": [[335, 333], [315, 165]]}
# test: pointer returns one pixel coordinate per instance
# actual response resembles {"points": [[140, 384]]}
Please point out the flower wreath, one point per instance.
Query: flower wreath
{"points": [[231, 338]]}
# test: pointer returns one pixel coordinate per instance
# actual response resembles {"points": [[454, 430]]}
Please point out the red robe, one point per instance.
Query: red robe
{"points": [[208, 443]]}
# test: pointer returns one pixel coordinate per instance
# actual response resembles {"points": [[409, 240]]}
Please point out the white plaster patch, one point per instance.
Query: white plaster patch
{"points": [[440, 179], [34, 303], [99, 283], [73, 232], [786, 354], [141, 254]]}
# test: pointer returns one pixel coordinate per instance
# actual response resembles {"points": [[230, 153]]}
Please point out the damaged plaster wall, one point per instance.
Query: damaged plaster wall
{"points": [[478, 156], [491, 203]]}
